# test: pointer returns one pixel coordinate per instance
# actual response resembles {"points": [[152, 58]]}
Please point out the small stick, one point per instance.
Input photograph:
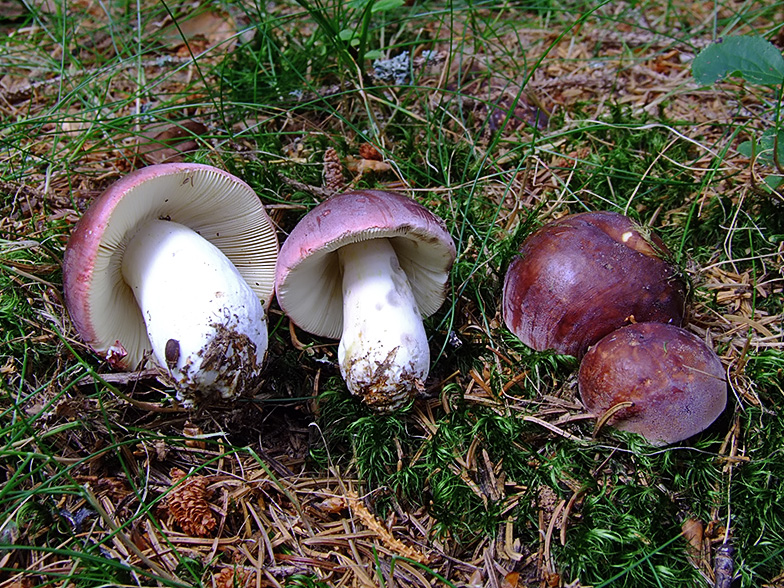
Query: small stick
{"points": [[609, 413]]}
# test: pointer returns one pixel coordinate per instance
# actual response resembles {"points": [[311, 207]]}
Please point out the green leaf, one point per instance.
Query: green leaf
{"points": [[346, 34], [773, 181], [763, 149], [384, 5], [752, 58], [745, 148]]}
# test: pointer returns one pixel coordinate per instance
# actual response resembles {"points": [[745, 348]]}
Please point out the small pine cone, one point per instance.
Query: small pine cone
{"points": [[188, 505], [231, 578], [334, 182], [368, 151]]}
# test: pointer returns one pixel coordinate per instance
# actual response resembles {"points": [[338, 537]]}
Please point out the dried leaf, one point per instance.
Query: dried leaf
{"points": [[25, 582], [503, 117], [331, 505], [192, 434], [74, 122], [363, 166], [692, 531], [200, 32], [167, 142], [476, 581], [295, 151], [12, 9], [139, 537]]}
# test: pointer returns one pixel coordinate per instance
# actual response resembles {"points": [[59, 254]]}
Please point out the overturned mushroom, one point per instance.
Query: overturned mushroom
{"points": [[176, 261], [365, 267], [657, 380], [584, 275]]}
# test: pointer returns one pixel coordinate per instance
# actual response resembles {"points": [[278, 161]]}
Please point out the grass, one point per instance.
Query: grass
{"points": [[493, 473]]}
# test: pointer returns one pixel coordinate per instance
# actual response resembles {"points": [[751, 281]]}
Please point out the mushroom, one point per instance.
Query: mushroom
{"points": [[584, 275], [365, 267], [176, 261], [656, 380]]}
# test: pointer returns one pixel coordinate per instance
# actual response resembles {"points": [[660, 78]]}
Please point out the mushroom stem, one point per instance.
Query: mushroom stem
{"points": [[203, 320], [383, 352]]}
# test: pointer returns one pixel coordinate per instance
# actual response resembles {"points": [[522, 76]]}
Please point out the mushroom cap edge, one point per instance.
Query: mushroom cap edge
{"points": [[308, 274], [234, 220]]}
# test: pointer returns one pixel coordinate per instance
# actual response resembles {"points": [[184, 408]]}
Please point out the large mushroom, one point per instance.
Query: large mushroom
{"points": [[176, 262], [584, 275], [365, 267], [657, 380]]}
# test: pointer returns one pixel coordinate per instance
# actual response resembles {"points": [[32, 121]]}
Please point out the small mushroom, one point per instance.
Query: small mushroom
{"points": [[584, 275], [365, 267], [659, 381], [176, 261]]}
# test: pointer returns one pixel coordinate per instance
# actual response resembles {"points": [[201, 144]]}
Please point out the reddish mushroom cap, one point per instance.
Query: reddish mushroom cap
{"points": [[584, 275], [308, 277], [675, 382], [219, 206]]}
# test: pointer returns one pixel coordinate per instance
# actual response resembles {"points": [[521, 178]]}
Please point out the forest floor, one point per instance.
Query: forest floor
{"points": [[498, 117]]}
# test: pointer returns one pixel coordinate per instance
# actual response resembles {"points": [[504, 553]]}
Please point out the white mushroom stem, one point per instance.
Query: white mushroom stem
{"points": [[383, 353], [203, 320]]}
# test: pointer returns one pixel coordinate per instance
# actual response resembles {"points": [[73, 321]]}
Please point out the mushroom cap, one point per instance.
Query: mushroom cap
{"points": [[219, 206], [584, 275], [308, 278], [675, 381]]}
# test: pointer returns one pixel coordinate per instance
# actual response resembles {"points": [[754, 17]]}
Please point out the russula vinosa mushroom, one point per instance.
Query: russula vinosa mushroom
{"points": [[582, 276], [365, 267], [176, 261], [659, 381]]}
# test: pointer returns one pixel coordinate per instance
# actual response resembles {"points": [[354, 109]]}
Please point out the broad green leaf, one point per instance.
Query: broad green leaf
{"points": [[745, 148], [346, 34], [773, 181], [752, 58], [384, 5], [763, 149]]}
